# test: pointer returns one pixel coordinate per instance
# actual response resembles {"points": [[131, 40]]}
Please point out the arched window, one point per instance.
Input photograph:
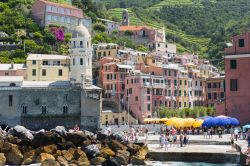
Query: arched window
{"points": [[12, 84], [81, 61], [81, 44]]}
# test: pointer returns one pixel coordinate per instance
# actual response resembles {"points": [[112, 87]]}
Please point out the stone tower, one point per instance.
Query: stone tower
{"points": [[125, 18], [81, 57]]}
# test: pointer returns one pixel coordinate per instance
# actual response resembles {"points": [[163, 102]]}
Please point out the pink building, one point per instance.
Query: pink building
{"points": [[13, 70], [237, 78], [46, 13]]}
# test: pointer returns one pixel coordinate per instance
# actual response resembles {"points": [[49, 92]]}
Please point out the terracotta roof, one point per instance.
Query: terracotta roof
{"points": [[131, 28], [59, 4]]}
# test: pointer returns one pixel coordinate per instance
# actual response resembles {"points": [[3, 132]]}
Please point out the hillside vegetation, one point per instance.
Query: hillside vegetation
{"points": [[200, 26]]}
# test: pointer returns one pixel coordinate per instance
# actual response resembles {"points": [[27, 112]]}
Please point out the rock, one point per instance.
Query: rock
{"points": [[62, 161], [87, 142], [122, 157], [133, 148], [6, 146], [72, 165], [115, 145], [136, 161], [50, 162], [72, 161], [78, 152], [60, 130], [82, 163], [110, 162], [97, 161], [44, 156], [91, 150], [1, 143], [50, 149], [22, 133], [2, 159], [65, 145], [13, 140], [88, 133], [67, 155], [14, 156], [83, 159], [45, 138], [76, 138], [72, 150], [141, 154], [106, 152], [29, 157]]}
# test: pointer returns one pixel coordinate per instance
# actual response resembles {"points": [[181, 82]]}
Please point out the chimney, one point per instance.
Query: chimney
{"points": [[12, 65]]}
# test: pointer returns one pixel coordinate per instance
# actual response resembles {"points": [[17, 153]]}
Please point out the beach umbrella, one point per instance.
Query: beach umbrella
{"points": [[198, 123], [210, 122], [170, 121], [223, 121], [188, 122], [178, 123], [246, 127], [234, 121], [163, 120]]}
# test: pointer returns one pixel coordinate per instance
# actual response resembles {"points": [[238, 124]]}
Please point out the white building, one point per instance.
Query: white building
{"points": [[81, 56]]}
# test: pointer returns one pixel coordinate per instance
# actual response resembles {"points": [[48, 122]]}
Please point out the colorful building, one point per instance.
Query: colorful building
{"points": [[102, 50], [44, 67], [237, 79], [48, 13], [13, 70]]}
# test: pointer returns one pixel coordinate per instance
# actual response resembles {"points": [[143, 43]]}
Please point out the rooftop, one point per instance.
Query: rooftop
{"points": [[59, 4], [45, 84], [125, 66], [11, 78], [46, 57], [15, 66]]}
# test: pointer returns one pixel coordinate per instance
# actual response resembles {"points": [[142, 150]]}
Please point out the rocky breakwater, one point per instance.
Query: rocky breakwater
{"points": [[20, 146]]}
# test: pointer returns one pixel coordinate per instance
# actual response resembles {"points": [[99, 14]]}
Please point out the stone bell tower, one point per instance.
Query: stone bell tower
{"points": [[125, 18]]}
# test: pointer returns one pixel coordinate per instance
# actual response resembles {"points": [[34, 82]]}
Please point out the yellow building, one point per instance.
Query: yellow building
{"points": [[183, 99], [105, 50], [43, 67], [110, 117]]}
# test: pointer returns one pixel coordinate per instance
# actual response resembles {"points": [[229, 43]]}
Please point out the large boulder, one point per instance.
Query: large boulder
{"points": [[107, 153], [46, 138], [83, 159], [76, 138], [29, 157], [133, 148], [122, 157], [78, 152], [2, 159], [65, 145], [13, 140], [60, 130], [22, 133], [116, 145], [97, 161], [92, 150], [111, 162], [50, 149], [50, 162], [62, 161], [14, 156], [44, 156], [137, 161], [140, 156], [67, 155]]}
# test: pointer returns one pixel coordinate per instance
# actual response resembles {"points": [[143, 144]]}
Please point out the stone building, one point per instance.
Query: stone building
{"points": [[46, 104]]}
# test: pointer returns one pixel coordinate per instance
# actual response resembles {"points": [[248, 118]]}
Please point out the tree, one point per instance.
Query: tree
{"points": [[128, 33], [99, 27]]}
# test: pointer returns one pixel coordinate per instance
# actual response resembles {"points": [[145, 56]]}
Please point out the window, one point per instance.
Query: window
{"points": [[180, 82], [24, 109], [10, 100], [185, 104], [222, 94], [81, 44], [65, 109], [109, 53], [169, 72], [148, 91], [215, 95], [209, 95], [81, 61], [209, 85], [185, 82], [148, 107], [179, 92], [45, 63], [233, 84], [169, 92], [44, 109], [60, 72], [44, 72], [74, 61], [12, 84], [215, 85], [196, 83], [130, 91], [241, 43], [233, 64], [175, 73], [179, 104], [185, 93], [136, 98], [49, 17], [148, 98], [33, 72], [175, 82], [34, 62]]}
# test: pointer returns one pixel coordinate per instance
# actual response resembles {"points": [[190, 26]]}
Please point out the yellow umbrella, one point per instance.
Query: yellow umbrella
{"points": [[188, 122], [163, 119], [198, 123], [178, 122], [147, 120], [170, 121]]}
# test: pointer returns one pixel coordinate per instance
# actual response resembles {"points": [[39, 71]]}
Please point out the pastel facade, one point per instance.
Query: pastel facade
{"points": [[50, 13], [109, 117], [44, 67], [237, 78], [102, 50], [13, 70]]}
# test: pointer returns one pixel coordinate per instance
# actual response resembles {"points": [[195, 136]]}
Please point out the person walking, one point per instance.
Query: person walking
{"points": [[205, 132], [162, 140], [236, 133], [181, 140], [220, 132], [211, 133], [232, 142], [166, 142]]}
